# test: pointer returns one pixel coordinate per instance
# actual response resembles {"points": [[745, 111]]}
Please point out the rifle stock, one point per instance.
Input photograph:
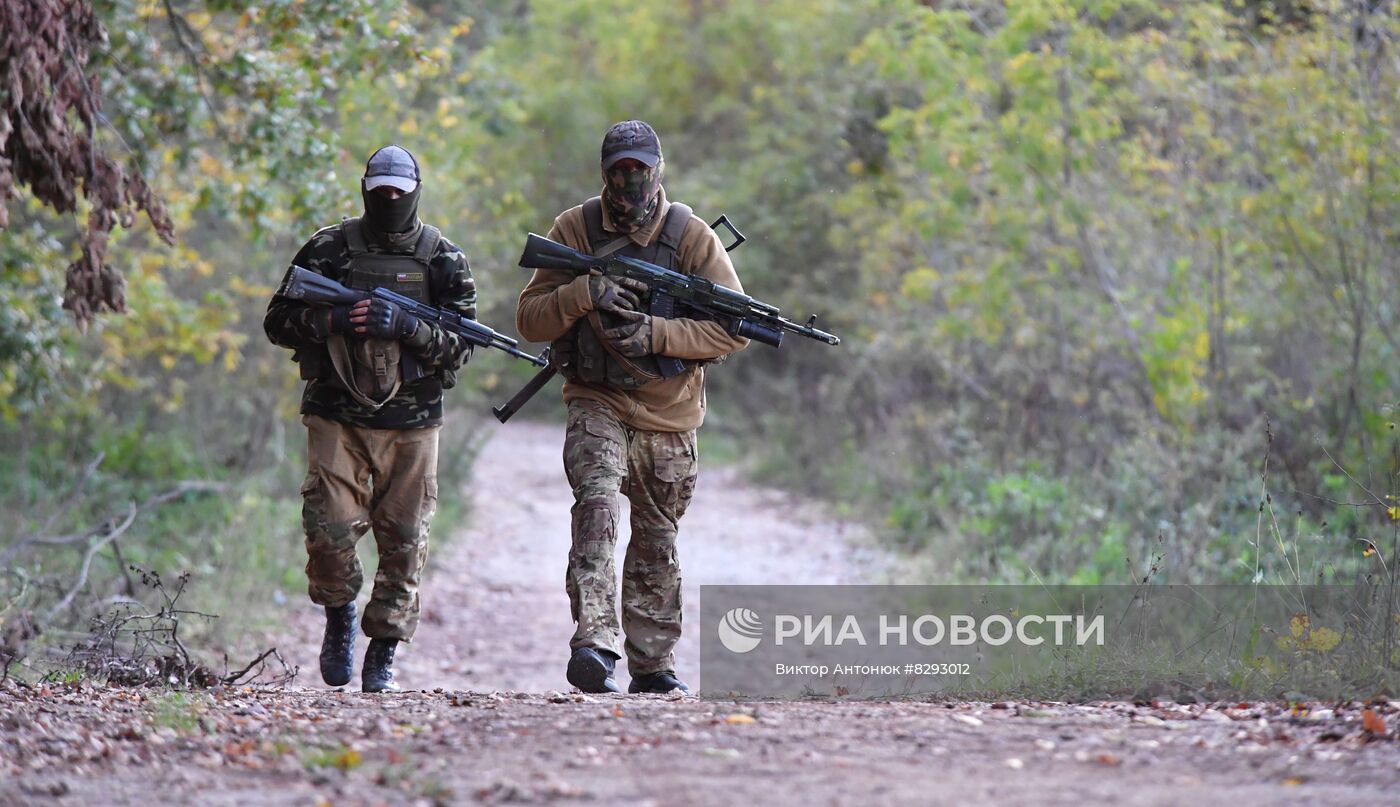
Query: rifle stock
{"points": [[506, 410]]}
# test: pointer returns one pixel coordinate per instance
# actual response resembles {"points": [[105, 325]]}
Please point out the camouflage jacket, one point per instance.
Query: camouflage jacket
{"points": [[289, 324]]}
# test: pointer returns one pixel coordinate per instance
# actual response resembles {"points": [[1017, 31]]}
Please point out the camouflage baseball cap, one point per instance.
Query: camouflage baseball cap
{"points": [[393, 166], [631, 139]]}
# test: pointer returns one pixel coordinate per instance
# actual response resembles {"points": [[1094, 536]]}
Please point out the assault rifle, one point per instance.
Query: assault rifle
{"points": [[672, 295], [317, 289]]}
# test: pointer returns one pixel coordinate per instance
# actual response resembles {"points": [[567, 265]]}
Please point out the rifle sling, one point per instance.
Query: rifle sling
{"points": [[612, 246]]}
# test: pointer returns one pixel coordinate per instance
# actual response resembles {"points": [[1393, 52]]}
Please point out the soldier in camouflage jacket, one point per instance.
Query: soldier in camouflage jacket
{"points": [[372, 406]]}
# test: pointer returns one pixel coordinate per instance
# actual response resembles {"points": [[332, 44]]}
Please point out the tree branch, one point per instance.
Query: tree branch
{"points": [[87, 562]]}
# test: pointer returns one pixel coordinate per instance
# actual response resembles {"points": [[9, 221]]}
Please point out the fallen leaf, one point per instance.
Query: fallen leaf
{"points": [[968, 719], [740, 720], [1108, 759], [1294, 781], [1372, 722], [347, 759]]}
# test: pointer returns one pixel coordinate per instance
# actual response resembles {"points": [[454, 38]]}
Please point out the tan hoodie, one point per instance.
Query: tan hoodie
{"points": [[554, 300]]}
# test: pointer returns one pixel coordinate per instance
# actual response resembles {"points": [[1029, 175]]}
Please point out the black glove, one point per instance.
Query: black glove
{"points": [[385, 320], [339, 320], [633, 338], [615, 294]]}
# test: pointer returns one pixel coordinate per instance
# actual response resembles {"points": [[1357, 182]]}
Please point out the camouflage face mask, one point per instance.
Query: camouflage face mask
{"points": [[631, 196]]}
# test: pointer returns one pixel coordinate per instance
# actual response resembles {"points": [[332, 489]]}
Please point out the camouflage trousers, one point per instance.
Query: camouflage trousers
{"points": [[360, 478], [656, 471]]}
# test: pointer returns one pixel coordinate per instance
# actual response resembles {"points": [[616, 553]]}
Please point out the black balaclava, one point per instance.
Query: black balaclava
{"points": [[392, 221]]}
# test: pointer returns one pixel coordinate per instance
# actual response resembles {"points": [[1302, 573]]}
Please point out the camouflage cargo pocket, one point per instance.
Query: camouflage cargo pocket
{"points": [[313, 504], [594, 449], [429, 505], [675, 467]]}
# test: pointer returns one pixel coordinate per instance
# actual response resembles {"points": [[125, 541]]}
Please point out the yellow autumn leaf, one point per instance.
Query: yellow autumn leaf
{"points": [[740, 719], [1297, 625], [1018, 61], [1393, 512], [1321, 640], [347, 759], [919, 284]]}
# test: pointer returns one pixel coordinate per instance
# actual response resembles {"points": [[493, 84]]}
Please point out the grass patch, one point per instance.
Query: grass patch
{"points": [[179, 711], [340, 757]]}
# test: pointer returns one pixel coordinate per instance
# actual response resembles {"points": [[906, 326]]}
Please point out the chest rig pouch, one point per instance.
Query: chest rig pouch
{"points": [[582, 354], [372, 370]]}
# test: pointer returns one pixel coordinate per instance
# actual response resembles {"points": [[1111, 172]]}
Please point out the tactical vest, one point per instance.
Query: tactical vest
{"points": [[582, 354], [372, 370]]}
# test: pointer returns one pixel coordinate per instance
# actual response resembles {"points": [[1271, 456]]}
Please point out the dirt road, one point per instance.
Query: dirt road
{"points": [[490, 718], [495, 616]]}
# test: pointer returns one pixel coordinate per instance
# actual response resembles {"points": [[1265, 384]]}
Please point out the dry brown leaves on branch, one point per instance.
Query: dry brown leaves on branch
{"points": [[50, 109]]}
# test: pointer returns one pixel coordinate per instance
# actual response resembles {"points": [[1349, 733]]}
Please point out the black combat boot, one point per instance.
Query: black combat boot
{"points": [[657, 683], [378, 674], [338, 645], [592, 670]]}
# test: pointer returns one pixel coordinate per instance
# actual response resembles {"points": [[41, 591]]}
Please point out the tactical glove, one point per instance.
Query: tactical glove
{"points": [[339, 320], [615, 294], [385, 320], [631, 339]]}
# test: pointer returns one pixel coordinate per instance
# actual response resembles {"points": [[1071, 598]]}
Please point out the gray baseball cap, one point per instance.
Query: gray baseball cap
{"points": [[392, 166], [631, 139]]}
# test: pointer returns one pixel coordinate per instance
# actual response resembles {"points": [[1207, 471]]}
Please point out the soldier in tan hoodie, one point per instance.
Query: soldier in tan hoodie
{"points": [[629, 430]]}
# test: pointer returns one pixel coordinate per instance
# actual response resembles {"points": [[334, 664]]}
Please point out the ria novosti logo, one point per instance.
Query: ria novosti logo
{"points": [[740, 630]]}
